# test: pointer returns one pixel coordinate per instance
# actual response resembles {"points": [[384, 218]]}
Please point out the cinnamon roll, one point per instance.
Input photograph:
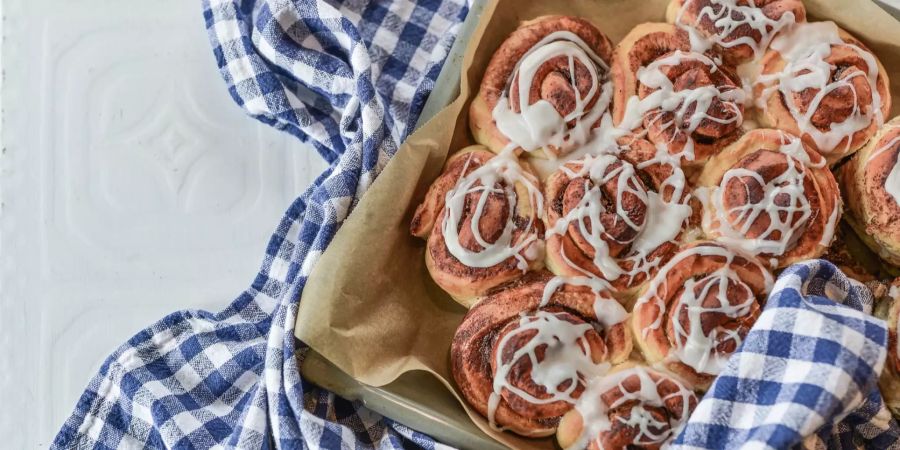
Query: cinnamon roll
{"points": [[684, 101], [770, 195], [481, 219], [887, 308], [697, 310], [743, 29], [871, 181], [616, 216], [522, 356], [822, 84], [631, 407], [851, 255], [545, 88]]}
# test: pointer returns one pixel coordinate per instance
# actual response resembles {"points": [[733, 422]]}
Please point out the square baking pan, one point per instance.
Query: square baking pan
{"points": [[417, 399]]}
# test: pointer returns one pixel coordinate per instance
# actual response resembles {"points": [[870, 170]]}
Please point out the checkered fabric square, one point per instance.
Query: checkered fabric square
{"points": [[350, 78], [805, 376]]}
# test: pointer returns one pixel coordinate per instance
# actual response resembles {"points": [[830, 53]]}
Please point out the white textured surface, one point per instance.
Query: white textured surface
{"points": [[132, 186]]}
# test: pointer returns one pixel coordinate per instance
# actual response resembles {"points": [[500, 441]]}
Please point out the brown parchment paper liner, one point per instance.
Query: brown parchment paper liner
{"points": [[370, 306]]}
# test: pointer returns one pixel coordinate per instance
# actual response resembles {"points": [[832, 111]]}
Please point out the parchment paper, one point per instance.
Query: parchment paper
{"points": [[370, 306]]}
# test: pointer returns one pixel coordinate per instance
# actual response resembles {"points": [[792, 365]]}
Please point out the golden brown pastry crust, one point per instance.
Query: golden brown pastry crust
{"points": [[836, 107], [552, 82], [462, 282], [701, 14], [650, 42], [770, 154], [873, 212], [623, 391], [690, 282], [622, 214], [475, 349]]}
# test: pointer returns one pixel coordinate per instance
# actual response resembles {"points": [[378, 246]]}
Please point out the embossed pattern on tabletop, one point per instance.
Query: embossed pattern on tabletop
{"points": [[132, 186]]}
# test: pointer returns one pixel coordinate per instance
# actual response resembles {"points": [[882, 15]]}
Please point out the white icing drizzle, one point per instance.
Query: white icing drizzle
{"points": [[595, 412], [830, 227], [567, 360], [607, 310], [692, 345], [804, 49], [785, 228], [749, 72], [892, 182], [663, 218], [539, 124], [894, 292], [667, 99], [499, 175], [567, 356], [727, 16]]}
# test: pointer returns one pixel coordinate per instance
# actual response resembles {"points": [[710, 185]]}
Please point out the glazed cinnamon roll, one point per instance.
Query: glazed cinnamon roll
{"points": [[522, 356], [887, 308], [616, 216], [742, 28], [631, 407], [481, 219], [685, 101], [871, 181], [697, 310], [822, 84], [770, 195], [545, 88]]}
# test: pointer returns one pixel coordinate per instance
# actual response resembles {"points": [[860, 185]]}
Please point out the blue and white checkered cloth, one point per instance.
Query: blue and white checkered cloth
{"points": [[805, 375], [350, 78]]}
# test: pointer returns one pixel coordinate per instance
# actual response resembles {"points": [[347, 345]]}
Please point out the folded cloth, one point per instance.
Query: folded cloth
{"points": [[350, 78], [806, 374]]}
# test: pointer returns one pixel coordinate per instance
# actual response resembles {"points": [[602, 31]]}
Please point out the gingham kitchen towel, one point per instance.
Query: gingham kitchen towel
{"points": [[805, 375], [350, 78]]}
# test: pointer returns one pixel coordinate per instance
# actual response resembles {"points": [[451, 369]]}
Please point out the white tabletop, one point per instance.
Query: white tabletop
{"points": [[132, 186]]}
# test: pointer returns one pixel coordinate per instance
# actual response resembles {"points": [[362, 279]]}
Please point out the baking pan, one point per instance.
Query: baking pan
{"points": [[403, 400]]}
